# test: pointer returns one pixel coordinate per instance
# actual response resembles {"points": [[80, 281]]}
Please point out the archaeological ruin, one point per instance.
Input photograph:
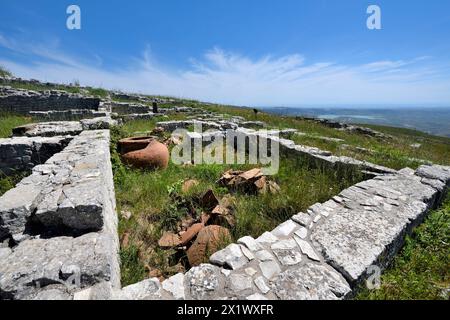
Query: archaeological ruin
{"points": [[59, 224]]}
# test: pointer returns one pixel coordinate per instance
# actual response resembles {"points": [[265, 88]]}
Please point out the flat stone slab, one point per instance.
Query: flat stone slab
{"points": [[370, 223], [73, 189], [49, 129], [19, 154], [37, 263], [16, 207], [99, 123], [310, 282]]}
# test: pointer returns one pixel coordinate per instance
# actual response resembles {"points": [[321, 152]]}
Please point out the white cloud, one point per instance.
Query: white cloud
{"points": [[226, 77]]}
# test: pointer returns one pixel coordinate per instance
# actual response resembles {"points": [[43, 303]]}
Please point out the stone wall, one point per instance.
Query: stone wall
{"points": [[23, 101], [58, 227], [22, 154], [322, 254], [67, 115], [122, 108], [315, 156], [55, 128]]}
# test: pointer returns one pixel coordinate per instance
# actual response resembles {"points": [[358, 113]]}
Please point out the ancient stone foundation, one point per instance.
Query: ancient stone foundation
{"points": [[26, 101], [58, 227], [21, 154]]}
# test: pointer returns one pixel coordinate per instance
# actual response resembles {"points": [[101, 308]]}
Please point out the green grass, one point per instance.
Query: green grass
{"points": [[9, 121], [73, 88], [98, 92], [44, 87], [421, 270], [147, 195], [9, 182], [4, 72], [6, 183]]}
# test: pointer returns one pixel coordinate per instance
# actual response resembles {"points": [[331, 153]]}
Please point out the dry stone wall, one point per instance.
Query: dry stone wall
{"points": [[24, 101], [58, 227], [323, 253], [23, 153], [33, 144]]}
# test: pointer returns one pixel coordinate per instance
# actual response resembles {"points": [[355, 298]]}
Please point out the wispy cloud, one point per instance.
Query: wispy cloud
{"points": [[226, 77]]}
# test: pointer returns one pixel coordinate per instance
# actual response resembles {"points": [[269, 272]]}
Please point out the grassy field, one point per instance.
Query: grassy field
{"points": [[4, 72], [147, 195], [421, 270], [10, 121], [7, 123]]}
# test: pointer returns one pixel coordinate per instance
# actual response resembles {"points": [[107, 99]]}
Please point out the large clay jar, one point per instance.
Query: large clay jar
{"points": [[134, 143], [144, 152]]}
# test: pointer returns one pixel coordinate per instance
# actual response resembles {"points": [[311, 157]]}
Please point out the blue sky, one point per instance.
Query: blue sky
{"points": [[244, 52]]}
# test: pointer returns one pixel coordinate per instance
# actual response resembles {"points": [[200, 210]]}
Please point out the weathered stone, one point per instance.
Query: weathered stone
{"points": [[256, 296], [175, 286], [317, 218], [286, 252], [310, 282], [436, 172], [269, 269], [51, 261], [307, 249], [23, 101], [264, 255], [239, 282], [16, 207], [98, 123], [250, 271], [49, 129], [80, 207], [100, 291], [247, 253], [250, 243], [285, 229], [367, 229], [78, 192], [288, 257], [226, 272], [267, 237], [19, 154], [149, 289], [302, 232], [4, 253], [302, 219], [231, 257], [261, 284], [284, 244], [49, 294], [204, 282]]}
